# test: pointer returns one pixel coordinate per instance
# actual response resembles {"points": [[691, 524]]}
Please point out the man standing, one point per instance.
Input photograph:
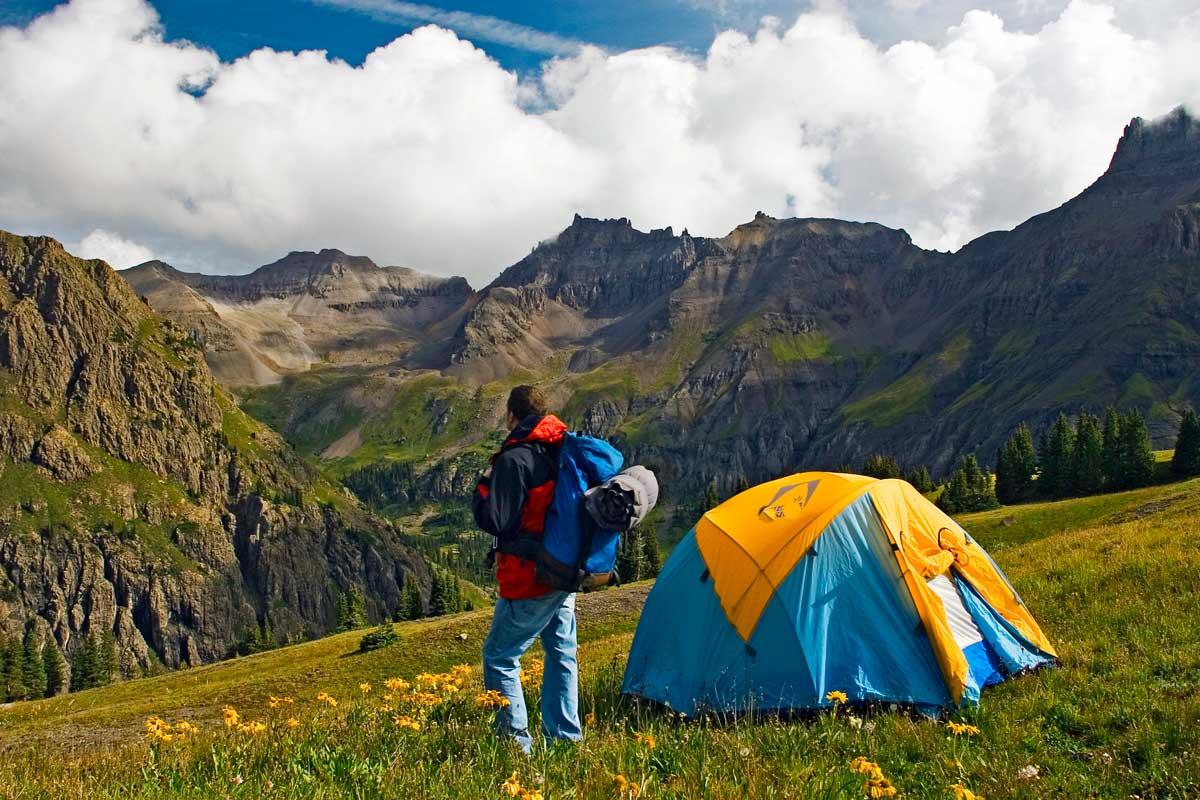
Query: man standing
{"points": [[511, 501]]}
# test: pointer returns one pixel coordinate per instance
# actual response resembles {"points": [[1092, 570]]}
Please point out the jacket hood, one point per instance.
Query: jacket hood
{"points": [[544, 430]]}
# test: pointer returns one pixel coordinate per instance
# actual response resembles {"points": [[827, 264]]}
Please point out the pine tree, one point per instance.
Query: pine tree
{"points": [[921, 480], [881, 466], [969, 489], [1087, 457], [742, 485], [651, 559], [631, 556], [1111, 438], [437, 594], [1137, 456], [413, 606], [1055, 480], [108, 668], [1186, 461], [83, 665], [711, 500], [12, 683], [33, 671], [351, 612], [1015, 467], [52, 664]]}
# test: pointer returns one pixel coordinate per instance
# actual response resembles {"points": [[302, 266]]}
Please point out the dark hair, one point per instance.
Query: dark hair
{"points": [[526, 401]]}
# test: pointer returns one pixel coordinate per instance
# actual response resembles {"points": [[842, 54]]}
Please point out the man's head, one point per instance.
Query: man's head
{"points": [[525, 401]]}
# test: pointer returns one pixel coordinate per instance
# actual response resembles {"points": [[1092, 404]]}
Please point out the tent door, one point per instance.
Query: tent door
{"points": [[982, 660]]}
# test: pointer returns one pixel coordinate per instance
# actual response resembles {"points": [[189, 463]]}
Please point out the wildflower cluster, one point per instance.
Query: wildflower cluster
{"points": [[443, 683], [647, 740], [877, 785], [513, 788], [251, 728], [532, 674], [276, 702], [405, 721], [961, 728], [963, 793], [159, 730], [627, 789], [491, 700], [323, 697], [231, 717]]}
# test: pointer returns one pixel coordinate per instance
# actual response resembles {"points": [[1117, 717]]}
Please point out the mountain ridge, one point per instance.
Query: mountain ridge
{"points": [[794, 342]]}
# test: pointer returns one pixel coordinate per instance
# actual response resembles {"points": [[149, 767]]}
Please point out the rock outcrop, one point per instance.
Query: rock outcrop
{"points": [[136, 497]]}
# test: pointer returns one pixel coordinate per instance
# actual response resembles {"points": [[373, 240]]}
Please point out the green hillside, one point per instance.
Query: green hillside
{"points": [[1112, 580]]}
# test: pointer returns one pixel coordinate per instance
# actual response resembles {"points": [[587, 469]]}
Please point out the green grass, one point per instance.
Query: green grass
{"points": [[911, 392], [789, 348], [1111, 579], [308, 407]]}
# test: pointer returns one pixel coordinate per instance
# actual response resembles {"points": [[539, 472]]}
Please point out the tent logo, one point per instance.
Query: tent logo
{"points": [[775, 509]]}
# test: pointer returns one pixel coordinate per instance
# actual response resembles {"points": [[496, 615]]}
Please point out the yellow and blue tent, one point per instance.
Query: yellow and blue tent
{"points": [[822, 581]]}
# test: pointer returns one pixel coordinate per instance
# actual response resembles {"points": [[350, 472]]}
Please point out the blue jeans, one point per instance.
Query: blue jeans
{"points": [[515, 624]]}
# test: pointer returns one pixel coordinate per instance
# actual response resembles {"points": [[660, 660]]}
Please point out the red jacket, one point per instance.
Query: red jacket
{"points": [[513, 500]]}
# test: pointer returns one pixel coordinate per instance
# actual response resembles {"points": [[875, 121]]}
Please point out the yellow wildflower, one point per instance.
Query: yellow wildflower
{"points": [[837, 698], [491, 700], [252, 728], [531, 794], [647, 740], [403, 721], [865, 767], [293, 722], [627, 788], [184, 728], [397, 685], [511, 787], [963, 793], [365, 688], [322, 697], [961, 728], [590, 719], [424, 699], [231, 716], [158, 729], [533, 673], [462, 671], [880, 787]]}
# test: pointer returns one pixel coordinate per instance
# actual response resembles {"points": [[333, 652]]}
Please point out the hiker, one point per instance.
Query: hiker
{"points": [[511, 501]]}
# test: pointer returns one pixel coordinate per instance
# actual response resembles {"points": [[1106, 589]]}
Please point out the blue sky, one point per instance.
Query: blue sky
{"points": [[235, 27]]}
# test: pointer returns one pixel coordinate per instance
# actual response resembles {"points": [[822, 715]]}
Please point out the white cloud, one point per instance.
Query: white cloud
{"points": [[119, 252], [429, 153]]}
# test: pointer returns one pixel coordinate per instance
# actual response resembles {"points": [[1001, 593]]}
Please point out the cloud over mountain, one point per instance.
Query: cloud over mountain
{"points": [[431, 155]]}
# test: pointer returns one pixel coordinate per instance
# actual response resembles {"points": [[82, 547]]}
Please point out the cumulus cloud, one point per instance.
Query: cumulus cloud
{"points": [[430, 154], [118, 251]]}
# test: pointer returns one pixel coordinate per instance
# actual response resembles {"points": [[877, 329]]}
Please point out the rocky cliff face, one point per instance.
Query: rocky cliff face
{"points": [[807, 343], [137, 498], [305, 310]]}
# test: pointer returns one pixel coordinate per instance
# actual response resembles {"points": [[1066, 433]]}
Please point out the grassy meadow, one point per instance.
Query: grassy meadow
{"points": [[1112, 579]]}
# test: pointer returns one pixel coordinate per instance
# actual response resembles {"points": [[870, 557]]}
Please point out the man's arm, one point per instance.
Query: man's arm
{"points": [[500, 496]]}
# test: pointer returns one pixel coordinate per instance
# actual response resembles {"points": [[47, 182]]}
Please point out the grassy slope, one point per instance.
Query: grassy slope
{"points": [[1112, 580]]}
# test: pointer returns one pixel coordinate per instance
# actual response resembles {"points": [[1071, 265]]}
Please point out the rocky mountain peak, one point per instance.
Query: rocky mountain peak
{"points": [[1174, 137]]}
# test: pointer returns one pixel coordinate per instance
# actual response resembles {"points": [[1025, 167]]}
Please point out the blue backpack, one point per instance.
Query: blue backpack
{"points": [[575, 553]]}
